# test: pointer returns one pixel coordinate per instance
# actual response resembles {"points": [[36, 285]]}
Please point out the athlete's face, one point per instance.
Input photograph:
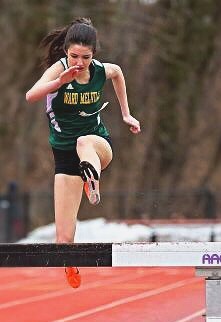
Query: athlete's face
{"points": [[80, 56]]}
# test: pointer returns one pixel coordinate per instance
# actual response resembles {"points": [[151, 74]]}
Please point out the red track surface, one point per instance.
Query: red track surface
{"points": [[106, 295]]}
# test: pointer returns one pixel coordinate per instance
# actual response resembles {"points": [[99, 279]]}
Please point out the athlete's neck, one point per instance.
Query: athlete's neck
{"points": [[83, 77]]}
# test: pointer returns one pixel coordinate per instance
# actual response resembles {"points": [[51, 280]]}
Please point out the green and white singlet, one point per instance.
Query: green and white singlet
{"points": [[73, 110]]}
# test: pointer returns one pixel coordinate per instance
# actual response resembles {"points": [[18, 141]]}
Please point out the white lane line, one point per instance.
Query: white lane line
{"points": [[129, 299], [69, 290], [192, 316], [21, 283], [31, 279]]}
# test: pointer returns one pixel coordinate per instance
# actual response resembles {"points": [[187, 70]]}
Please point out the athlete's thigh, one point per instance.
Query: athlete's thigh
{"points": [[102, 148]]}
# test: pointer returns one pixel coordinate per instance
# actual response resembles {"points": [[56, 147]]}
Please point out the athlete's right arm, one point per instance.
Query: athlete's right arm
{"points": [[52, 79]]}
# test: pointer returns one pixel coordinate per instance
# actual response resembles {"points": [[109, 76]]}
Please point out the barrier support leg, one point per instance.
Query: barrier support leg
{"points": [[212, 277]]}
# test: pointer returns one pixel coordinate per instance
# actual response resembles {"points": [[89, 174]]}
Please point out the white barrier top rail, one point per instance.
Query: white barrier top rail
{"points": [[167, 254]]}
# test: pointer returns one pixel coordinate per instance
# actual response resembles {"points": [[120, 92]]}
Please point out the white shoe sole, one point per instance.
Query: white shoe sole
{"points": [[93, 189]]}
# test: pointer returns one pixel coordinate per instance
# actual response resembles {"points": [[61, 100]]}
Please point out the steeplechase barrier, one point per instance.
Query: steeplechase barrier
{"points": [[204, 256]]}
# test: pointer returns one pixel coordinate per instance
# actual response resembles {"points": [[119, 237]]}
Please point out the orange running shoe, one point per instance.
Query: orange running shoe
{"points": [[91, 189], [73, 276]]}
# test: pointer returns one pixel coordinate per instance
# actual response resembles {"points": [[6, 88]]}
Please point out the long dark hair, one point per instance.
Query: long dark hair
{"points": [[80, 31]]}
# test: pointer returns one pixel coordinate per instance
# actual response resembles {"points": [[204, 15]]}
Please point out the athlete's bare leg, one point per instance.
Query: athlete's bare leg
{"points": [[67, 194], [96, 150], [95, 154]]}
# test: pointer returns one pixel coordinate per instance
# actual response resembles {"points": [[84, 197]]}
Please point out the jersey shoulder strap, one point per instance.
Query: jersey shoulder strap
{"points": [[64, 62], [97, 63]]}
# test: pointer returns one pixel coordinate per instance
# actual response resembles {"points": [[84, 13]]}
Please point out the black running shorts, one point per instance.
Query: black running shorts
{"points": [[67, 161]]}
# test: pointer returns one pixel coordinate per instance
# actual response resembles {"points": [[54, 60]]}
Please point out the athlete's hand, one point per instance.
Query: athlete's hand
{"points": [[133, 123], [69, 74]]}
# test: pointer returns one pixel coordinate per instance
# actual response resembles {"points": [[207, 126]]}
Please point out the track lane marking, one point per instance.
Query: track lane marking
{"points": [[117, 279], [21, 282], [129, 299], [192, 316]]}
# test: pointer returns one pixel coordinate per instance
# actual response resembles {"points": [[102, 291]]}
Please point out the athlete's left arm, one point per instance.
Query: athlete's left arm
{"points": [[115, 73]]}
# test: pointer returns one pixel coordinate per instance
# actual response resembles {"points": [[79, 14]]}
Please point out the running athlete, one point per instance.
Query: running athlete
{"points": [[73, 83]]}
